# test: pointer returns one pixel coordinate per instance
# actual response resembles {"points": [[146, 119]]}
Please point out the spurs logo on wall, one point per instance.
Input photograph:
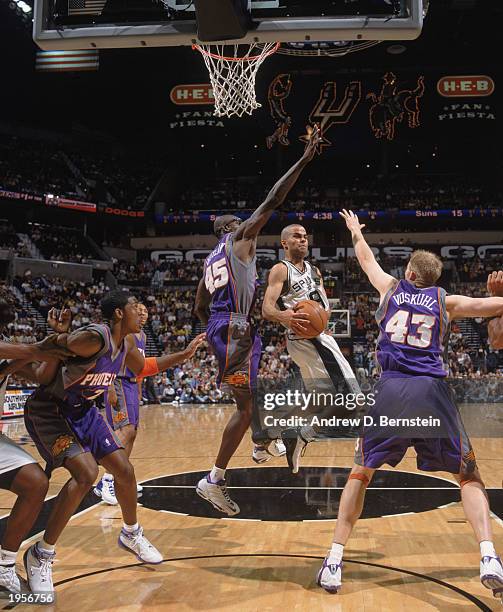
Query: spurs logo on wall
{"points": [[279, 90], [392, 105], [329, 111]]}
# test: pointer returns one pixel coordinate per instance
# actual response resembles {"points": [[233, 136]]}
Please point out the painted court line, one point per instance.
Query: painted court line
{"points": [[318, 488]]}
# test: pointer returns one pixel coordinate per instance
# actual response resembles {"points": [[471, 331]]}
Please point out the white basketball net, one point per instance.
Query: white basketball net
{"points": [[233, 76]]}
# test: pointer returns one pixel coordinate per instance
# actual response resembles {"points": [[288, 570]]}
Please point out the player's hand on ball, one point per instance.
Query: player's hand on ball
{"points": [[296, 321], [495, 283], [59, 320], [352, 222], [194, 345]]}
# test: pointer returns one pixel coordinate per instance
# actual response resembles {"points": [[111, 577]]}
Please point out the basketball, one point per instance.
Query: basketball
{"points": [[318, 317]]}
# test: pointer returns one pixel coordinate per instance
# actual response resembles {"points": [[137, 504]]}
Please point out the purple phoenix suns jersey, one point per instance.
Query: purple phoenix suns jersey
{"points": [[413, 331], [83, 379], [230, 282], [141, 343]]}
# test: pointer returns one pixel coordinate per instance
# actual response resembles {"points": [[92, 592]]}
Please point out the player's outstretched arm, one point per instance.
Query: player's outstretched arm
{"points": [[380, 279], [148, 366], [203, 299], [249, 229], [278, 275], [43, 358], [461, 306], [46, 349], [168, 361], [495, 327]]}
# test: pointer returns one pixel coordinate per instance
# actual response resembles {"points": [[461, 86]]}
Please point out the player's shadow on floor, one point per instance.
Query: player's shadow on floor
{"points": [[154, 587], [358, 577], [172, 542], [430, 589]]}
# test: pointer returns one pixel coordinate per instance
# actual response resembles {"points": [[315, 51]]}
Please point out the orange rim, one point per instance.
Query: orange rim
{"points": [[246, 58]]}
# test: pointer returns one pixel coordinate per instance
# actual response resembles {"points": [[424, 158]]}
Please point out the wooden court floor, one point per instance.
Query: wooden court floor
{"points": [[400, 560]]}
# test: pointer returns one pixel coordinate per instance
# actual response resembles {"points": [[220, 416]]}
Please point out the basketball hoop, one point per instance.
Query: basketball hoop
{"points": [[233, 76]]}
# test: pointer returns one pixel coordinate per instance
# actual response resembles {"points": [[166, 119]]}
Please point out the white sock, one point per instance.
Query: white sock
{"points": [[217, 474], [336, 552], [487, 549], [43, 545], [130, 528], [7, 557], [107, 476]]}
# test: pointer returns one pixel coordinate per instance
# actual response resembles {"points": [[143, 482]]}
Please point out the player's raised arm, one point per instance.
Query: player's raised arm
{"points": [[203, 299], [495, 327], [249, 229], [380, 279], [460, 306], [293, 320]]}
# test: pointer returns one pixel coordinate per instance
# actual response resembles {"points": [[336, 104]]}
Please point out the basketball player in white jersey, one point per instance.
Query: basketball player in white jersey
{"points": [[322, 365]]}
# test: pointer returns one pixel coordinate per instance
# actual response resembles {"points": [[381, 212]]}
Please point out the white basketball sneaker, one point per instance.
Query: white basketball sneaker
{"points": [[263, 452], [9, 580], [216, 493], [491, 575], [108, 491], [38, 565], [138, 544], [330, 576]]}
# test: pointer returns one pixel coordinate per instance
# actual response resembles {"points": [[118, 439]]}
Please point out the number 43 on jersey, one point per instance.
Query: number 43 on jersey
{"points": [[398, 326]]}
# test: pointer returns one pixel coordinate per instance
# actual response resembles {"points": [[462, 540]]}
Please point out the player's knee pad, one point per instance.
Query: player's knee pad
{"points": [[362, 477]]}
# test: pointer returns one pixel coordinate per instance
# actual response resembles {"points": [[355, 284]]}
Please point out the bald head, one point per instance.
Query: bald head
{"points": [[224, 224], [294, 242], [289, 230]]}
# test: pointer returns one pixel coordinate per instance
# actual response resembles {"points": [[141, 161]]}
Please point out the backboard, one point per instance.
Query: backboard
{"points": [[84, 24]]}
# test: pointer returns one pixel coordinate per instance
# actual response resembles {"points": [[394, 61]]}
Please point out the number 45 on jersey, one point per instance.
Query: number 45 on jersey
{"points": [[216, 276]]}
